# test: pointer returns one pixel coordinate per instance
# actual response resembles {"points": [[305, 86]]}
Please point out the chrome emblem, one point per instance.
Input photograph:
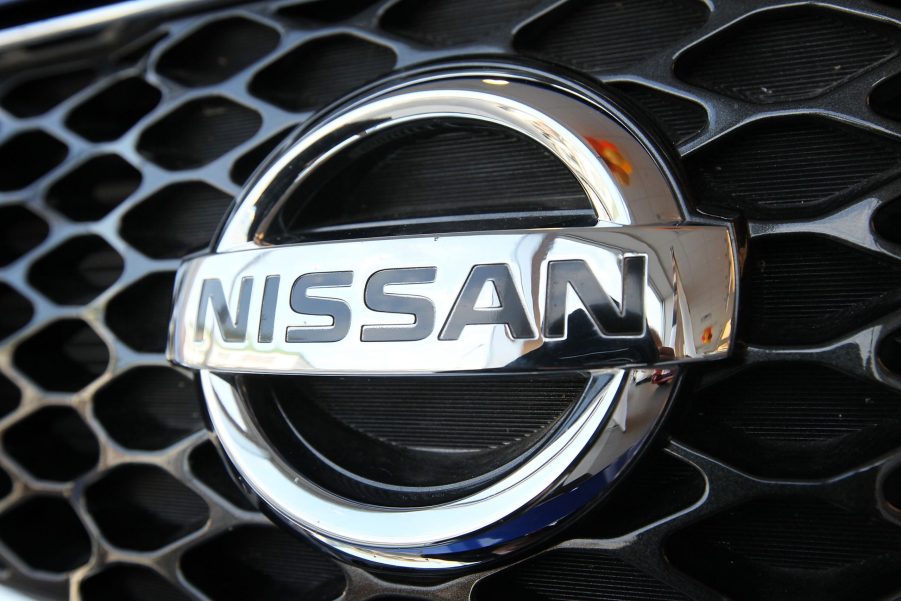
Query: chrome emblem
{"points": [[651, 291]]}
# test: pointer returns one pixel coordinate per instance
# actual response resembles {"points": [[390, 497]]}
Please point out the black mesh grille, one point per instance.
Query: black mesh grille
{"points": [[143, 508], [27, 156], [217, 51], [574, 575], [457, 413], [261, 563], [794, 419], [60, 543], [804, 289], [658, 487], [421, 432], [446, 23], [198, 132], [175, 220], [120, 153], [130, 582], [113, 111], [315, 73], [39, 95], [610, 35], [791, 167], [776, 548], [148, 408], [451, 172], [792, 54], [679, 118]]}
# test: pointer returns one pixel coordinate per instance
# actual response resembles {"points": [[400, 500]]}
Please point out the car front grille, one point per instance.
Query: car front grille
{"points": [[778, 473]]}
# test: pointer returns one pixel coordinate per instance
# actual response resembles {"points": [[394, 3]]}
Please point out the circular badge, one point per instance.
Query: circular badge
{"points": [[429, 387]]}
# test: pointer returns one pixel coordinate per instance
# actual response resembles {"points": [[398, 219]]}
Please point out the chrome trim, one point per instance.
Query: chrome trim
{"points": [[614, 421], [585, 136], [95, 18], [688, 283], [687, 310]]}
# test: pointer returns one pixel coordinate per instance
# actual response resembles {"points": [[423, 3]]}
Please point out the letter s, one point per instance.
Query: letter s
{"points": [[335, 308], [421, 308]]}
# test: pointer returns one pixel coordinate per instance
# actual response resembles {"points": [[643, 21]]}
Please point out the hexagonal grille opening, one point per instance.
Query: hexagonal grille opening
{"points": [[113, 111], [94, 188], [209, 468], [66, 356], [60, 543], [27, 156], [142, 507], [810, 288], [791, 167], [775, 549], [217, 51], [39, 95], [148, 408], [448, 22], [891, 489], [794, 419], [887, 221], [53, 444], [77, 271], [198, 132], [263, 563], [9, 396], [890, 352], [886, 98], [176, 220], [6, 484], [20, 231], [151, 298], [15, 310], [783, 55], [320, 71], [606, 35], [122, 582]]}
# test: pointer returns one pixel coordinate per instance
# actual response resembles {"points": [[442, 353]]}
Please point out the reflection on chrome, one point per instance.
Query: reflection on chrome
{"points": [[627, 302], [613, 420], [316, 308]]}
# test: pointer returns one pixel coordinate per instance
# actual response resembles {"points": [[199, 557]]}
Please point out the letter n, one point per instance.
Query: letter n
{"points": [[610, 318], [231, 329]]}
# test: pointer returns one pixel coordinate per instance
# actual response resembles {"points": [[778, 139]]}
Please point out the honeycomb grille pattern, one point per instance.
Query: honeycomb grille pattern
{"points": [[822, 49], [120, 156]]}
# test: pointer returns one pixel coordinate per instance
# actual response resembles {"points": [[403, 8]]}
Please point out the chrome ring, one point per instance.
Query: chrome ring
{"points": [[620, 408]]}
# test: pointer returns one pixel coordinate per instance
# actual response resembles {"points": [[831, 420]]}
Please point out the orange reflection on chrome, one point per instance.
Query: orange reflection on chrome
{"points": [[613, 158], [662, 377]]}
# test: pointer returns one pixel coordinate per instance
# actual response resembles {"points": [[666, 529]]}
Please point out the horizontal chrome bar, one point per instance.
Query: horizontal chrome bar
{"points": [[644, 295]]}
